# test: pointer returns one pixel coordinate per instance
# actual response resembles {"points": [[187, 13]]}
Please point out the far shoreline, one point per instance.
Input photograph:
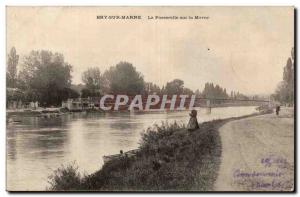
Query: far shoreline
{"points": [[37, 112]]}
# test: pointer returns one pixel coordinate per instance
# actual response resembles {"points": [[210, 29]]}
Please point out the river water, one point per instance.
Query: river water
{"points": [[37, 146]]}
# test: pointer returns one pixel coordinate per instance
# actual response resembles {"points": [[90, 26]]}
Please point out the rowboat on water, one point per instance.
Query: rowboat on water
{"points": [[128, 154]]}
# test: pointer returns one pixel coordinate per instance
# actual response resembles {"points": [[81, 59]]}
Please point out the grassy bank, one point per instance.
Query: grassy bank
{"points": [[170, 158]]}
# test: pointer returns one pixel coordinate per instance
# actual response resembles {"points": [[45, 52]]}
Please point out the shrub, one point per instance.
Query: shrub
{"points": [[65, 178], [158, 132]]}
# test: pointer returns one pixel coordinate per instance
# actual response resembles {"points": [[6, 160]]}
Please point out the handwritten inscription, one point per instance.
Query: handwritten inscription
{"points": [[239, 173], [271, 174], [274, 184], [274, 160]]}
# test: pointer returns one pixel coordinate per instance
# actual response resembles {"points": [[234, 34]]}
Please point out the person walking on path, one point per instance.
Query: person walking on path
{"points": [[277, 109]]}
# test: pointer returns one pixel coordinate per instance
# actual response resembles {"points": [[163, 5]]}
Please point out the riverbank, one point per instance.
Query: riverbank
{"points": [[46, 112], [39, 111], [258, 154], [169, 159]]}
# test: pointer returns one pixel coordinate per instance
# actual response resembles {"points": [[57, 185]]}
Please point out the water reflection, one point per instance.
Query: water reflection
{"points": [[36, 137], [38, 146]]}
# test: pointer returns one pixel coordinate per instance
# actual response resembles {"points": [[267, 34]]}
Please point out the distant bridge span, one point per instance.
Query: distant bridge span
{"points": [[204, 102]]}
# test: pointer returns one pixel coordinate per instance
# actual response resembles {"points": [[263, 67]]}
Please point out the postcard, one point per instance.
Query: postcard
{"points": [[150, 99]]}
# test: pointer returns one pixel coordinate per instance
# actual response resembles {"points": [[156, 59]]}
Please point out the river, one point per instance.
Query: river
{"points": [[37, 146]]}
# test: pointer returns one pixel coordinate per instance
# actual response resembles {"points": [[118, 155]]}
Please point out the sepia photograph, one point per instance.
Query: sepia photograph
{"points": [[150, 98]]}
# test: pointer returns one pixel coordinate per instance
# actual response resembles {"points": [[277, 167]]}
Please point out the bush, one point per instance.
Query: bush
{"points": [[65, 178], [158, 132]]}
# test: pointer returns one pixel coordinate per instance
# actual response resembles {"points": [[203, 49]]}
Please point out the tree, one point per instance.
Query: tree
{"points": [[70, 93], [208, 91], [224, 94], [93, 81], [281, 92], [85, 92], [174, 87], [187, 91], [151, 88], [288, 78], [163, 90], [215, 91], [124, 79], [198, 93], [46, 77], [14, 94], [11, 72], [285, 89]]}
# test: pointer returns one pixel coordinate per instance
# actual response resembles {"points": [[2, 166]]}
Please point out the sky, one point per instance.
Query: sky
{"points": [[240, 48]]}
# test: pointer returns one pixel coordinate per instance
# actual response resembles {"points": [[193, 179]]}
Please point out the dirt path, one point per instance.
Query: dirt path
{"points": [[257, 154]]}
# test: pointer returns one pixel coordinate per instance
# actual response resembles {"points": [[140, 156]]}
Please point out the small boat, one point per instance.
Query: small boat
{"points": [[128, 154]]}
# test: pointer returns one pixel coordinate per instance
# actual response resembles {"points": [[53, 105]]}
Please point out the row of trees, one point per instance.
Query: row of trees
{"points": [[285, 89], [175, 86], [46, 77], [120, 79], [217, 92], [124, 79], [214, 91]]}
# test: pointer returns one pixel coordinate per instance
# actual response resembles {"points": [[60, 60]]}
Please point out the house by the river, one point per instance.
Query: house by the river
{"points": [[79, 104]]}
